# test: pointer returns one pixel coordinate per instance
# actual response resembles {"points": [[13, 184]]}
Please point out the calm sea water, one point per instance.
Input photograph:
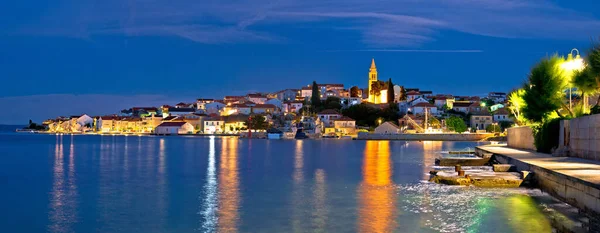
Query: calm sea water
{"points": [[190, 184]]}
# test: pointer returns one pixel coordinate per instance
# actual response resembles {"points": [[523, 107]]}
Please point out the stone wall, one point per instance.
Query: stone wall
{"points": [[423, 137], [584, 138], [520, 138]]}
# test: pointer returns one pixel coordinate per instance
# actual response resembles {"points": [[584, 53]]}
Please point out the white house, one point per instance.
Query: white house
{"points": [[214, 125], [411, 95], [257, 98], [416, 101], [107, 124], [213, 107], [275, 102], [387, 128], [327, 116], [293, 106], [461, 106], [174, 127], [201, 103], [440, 101], [422, 108], [480, 121], [180, 111], [501, 115], [497, 97], [80, 123], [287, 95], [495, 107]]}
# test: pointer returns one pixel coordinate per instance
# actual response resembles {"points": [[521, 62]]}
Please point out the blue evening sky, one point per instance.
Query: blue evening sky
{"points": [[65, 57]]}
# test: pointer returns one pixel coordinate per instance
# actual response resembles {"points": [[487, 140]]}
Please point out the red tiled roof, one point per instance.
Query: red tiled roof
{"points": [[328, 112], [475, 104], [172, 124], [501, 111], [110, 118], [424, 105], [344, 118], [413, 93], [461, 105]]}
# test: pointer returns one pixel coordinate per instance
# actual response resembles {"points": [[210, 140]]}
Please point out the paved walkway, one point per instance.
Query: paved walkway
{"points": [[583, 169]]}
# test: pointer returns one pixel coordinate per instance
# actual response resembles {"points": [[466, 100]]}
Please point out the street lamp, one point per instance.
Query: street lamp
{"points": [[570, 65]]}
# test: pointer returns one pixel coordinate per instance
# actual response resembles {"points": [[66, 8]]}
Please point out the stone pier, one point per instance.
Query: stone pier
{"points": [[575, 181]]}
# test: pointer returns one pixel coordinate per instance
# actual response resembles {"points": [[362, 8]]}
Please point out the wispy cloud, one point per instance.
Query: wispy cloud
{"points": [[381, 23]]}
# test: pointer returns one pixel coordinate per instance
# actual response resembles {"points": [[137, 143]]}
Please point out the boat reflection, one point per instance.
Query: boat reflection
{"points": [[377, 199]]}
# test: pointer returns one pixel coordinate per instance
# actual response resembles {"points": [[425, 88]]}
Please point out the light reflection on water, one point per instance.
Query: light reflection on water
{"points": [[148, 184]]}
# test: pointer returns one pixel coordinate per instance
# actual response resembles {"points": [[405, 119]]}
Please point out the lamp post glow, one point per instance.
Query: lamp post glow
{"points": [[572, 64]]}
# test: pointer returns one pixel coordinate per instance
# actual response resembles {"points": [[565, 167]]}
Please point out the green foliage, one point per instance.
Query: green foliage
{"points": [[546, 135], [445, 107], [545, 94], [402, 93], [366, 115], [516, 103], [377, 87], [593, 58], [505, 124], [390, 91], [593, 65], [585, 80], [456, 124], [258, 122], [493, 128], [331, 102], [355, 91], [315, 99], [488, 102]]}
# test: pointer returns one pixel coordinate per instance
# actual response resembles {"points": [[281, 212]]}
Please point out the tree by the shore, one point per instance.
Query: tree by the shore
{"points": [[456, 124]]}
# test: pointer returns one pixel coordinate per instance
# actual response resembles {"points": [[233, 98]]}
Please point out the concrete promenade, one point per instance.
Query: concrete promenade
{"points": [[573, 180]]}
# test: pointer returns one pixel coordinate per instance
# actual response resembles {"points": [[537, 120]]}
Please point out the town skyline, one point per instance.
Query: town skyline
{"points": [[145, 53]]}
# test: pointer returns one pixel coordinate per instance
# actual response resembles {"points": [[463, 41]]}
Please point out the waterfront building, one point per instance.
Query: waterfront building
{"points": [[195, 119], [235, 123], [387, 128], [479, 121], [107, 124], [169, 128], [214, 107], [327, 116], [214, 125], [344, 126], [501, 115], [150, 123]]}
